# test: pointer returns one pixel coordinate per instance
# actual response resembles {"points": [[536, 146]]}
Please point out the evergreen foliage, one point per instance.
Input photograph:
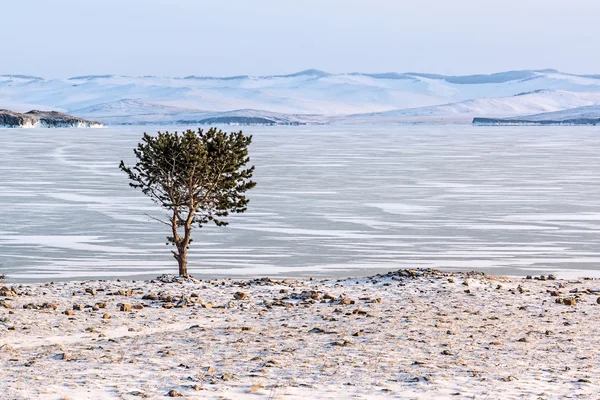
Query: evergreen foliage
{"points": [[199, 176]]}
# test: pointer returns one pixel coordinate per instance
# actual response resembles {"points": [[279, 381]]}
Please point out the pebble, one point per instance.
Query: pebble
{"points": [[227, 376], [209, 370]]}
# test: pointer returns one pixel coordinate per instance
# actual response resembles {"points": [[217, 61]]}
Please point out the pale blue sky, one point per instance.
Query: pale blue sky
{"points": [[62, 38]]}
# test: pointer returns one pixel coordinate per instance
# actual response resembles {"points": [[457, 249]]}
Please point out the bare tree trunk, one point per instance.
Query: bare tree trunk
{"points": [[182, 260], [182, 249], [181, 244]]}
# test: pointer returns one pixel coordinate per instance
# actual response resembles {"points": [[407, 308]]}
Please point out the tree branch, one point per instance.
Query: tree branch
{"points": [[159, 220]]}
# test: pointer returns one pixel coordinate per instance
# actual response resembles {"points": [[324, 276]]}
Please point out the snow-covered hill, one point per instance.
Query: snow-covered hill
{"points": [[585, 112], [310, 96], [586, 115], [541, 101]]}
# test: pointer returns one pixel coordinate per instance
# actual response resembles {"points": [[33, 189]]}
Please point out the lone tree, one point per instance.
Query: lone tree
{"points": [[198, 176]]}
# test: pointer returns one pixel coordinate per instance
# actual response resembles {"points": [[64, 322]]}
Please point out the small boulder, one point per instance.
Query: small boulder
{"points": [[567, 301], [240, 296], [345, 301]]}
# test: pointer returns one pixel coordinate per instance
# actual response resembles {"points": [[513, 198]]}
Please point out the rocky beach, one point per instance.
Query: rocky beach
{"points": [[416, 334]]}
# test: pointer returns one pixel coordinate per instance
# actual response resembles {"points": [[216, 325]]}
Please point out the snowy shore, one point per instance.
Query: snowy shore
{"points": [[419, 334]]}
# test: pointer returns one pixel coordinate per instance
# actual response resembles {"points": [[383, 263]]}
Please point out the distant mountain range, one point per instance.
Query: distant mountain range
{"points": [[309, 97]]}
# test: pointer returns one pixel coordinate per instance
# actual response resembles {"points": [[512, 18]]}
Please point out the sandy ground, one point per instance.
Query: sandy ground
{"points": [[418, 334]]}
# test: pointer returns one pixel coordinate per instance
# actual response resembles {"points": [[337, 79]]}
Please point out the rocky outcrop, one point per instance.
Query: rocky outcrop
{"points": [[512, 121], [43, 119]]}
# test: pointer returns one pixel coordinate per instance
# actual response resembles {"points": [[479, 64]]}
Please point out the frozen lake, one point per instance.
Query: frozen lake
{"points": [[329, 201]]}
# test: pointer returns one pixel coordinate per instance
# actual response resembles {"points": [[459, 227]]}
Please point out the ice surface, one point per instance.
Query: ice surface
{"points": [[329, 200]]}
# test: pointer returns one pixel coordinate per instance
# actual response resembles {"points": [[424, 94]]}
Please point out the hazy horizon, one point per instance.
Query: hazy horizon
{"points": [[265, 37], [289, 73]]}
